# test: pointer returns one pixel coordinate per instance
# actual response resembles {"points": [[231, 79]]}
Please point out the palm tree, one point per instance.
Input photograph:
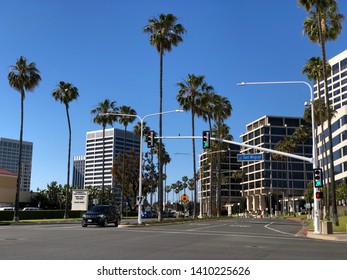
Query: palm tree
{"points": [[66, 93], [164, 32], [321, 115], [126, 115], [221, 110], [324, 24], [104, 115], [190, 90], [22, 77], [314, 72]]}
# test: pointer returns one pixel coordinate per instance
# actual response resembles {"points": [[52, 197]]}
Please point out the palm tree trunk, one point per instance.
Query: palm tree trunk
{"points": [[219, 187], [103, 164], [331, 156], [122, 191], [66, 214], [19, 172], [160, 165], [211, 185], [194, 166]]}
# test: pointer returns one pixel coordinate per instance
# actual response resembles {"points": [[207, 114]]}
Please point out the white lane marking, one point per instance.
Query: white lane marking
{"points": [[276, 230]]}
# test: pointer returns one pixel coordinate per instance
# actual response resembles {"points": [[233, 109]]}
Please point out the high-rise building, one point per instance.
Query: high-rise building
{"points": [[281, 180], [78, 171], [337, 93], [114, 143], [9, 157]]}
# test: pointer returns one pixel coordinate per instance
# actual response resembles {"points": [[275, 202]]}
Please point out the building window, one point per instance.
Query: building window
{"points": [[343, 64], [338, 169], [335, 68]]}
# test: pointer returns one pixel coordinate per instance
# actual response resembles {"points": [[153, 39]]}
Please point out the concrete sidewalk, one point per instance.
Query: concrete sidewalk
{"points": [[336, 236]]}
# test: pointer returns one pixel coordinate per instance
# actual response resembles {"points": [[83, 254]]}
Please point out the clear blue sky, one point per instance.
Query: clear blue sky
{"points": [[100, 48]]}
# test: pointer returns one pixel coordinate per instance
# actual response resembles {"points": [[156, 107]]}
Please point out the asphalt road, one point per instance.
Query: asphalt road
{"points": [[231, 239]]}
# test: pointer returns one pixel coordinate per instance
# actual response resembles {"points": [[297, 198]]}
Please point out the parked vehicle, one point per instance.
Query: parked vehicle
{"points": [[32, 209], [101, 215], [7, 208], [149, 214], [169, 214]]}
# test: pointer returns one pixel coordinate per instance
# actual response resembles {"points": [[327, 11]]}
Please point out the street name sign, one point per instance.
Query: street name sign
{"points": [[249, 157]]}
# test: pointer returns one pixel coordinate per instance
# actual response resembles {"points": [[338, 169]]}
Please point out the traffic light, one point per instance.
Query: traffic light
{"points": [[150, 139], [318, 180], [206, 141], [319, 195]]}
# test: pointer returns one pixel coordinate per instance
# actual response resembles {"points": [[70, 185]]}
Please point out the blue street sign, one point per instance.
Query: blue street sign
{"points": [[244, 157]]}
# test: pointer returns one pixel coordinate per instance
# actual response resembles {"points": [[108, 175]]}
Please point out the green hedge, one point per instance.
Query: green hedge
{"points": [[39, 215]]}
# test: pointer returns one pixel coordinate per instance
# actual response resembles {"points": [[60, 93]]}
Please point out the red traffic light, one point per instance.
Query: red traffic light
{"points": [[319, 195], [150, 139]]}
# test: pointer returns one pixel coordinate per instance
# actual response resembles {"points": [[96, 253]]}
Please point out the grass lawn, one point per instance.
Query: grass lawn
{"points": [[340, 228]]}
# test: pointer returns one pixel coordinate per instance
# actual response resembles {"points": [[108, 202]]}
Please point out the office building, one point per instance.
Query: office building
{"points": [[78, 171], [275, 182], [337, 93], [114, 143], [9, 157]]}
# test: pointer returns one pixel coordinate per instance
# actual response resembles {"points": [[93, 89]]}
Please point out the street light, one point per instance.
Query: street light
{"points": [[314, 145], [139, 220]]}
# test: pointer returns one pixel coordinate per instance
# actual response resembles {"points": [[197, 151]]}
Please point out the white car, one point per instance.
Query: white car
{"points": [[8, 208], [31, 209]]}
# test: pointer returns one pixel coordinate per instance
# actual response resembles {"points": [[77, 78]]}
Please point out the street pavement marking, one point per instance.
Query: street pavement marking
{"points": [[276, 230]]}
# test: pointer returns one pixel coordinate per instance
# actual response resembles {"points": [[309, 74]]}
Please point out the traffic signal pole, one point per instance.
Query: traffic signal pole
{"points": [[316, 213], [312, 160]]}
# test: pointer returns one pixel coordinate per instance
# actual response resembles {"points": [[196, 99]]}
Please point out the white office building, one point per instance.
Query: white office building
{"points": [[337, 92], [114, 143]]}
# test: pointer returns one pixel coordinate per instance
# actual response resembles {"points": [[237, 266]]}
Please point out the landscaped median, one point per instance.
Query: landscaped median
{"points": [[7, 216], [340, 228]]}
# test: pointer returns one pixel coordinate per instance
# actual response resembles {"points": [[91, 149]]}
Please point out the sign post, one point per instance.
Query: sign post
{"points": [[79, 200]]}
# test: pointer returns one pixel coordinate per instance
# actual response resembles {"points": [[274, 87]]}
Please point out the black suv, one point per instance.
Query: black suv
{"points": [[101, 215]]}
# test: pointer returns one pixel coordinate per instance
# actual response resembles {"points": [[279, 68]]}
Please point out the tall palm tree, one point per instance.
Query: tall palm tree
{"points": [[165, 33], [66, 93], [22, 77], [190, 90], [102, 116], [221, 111], [314, 72], [324, 24]]}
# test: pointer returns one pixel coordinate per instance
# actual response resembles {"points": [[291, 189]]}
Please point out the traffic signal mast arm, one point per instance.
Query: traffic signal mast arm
{"points": [[243, 145]]}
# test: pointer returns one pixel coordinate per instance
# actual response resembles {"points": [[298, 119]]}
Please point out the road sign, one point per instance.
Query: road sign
{"points": [[184, 198], [245, 157], [139, 200]]}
